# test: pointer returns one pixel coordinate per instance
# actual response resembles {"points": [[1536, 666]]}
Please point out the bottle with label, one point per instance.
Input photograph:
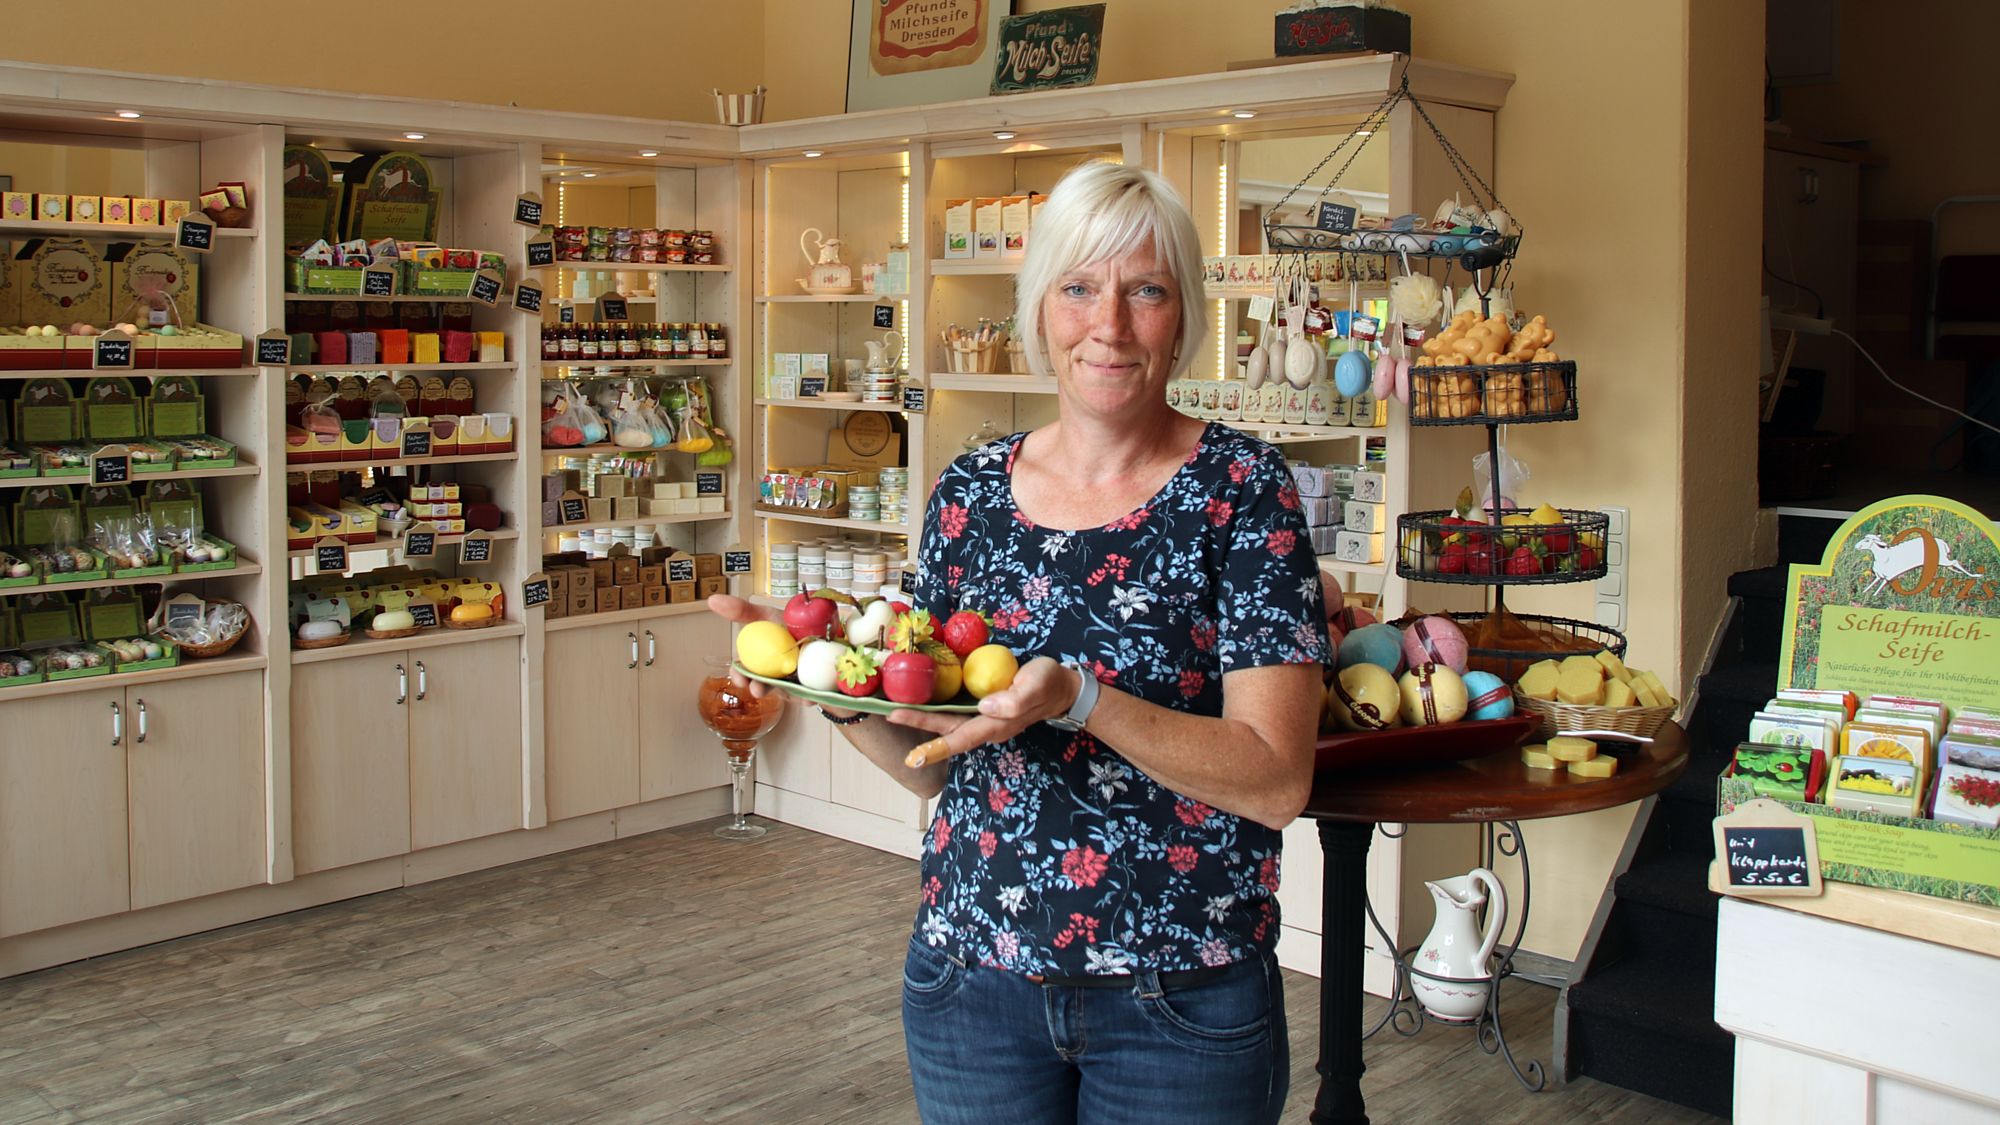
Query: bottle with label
{"points": [[588, 333], [628, 342], [698, 340], [718, 343], [683, 346], [572, 347], [551, 344]]}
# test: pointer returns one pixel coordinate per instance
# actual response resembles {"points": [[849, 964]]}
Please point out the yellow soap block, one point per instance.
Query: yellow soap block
{"points": [[1614, 667], [1582, 664], [1659, 689], [492, 347], [1537, 757], [424, 347], [1539, 681], [1594, 767], [1618, 693], [1581, 686], [1645, 695], [1565, 749]]}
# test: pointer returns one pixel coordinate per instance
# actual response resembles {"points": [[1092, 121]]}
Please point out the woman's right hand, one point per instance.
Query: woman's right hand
{"points": [[740, 611]]}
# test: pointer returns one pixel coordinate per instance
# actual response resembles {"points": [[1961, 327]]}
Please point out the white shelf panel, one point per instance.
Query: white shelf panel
{"points": [[851, 525], [239, 570], [618, 616], [394, 543], [961, 267], [235, 660], [133, 231], [636, 521], [1291, 431], [829, 299], [148, 372], [641, 365], [634, 267], [362, 644], [831, 404], [318, 368], [1002, 383], [243, 470], [393, 462]]}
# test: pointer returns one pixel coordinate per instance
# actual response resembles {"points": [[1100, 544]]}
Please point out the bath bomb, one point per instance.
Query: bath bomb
{"points": [[1435, 640], [1377, 644], [1364, 697], [1488, 696], [1346, 618], [1432, 694]]}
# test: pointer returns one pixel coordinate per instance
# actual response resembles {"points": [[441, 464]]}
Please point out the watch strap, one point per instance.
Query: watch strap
{"points": [[1086, 701]]}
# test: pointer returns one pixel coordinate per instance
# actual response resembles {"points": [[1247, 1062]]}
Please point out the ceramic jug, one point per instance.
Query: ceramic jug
{"points": [[1457, 948], [824, 269], [883, 353]]}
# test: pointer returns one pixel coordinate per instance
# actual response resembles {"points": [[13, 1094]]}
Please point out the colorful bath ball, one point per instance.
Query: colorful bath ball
{"points": [[1377, 644], [1488, 696], [1348, 618], [1432, 694], [1435, 640], [1364, 697]]}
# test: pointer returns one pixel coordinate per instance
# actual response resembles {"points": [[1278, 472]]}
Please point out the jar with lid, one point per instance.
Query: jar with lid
{"points": [[718, 342], [698, 340]]}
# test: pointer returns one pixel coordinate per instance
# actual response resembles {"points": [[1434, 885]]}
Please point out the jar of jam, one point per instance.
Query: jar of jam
{"points": [[698, 340], [683, 346], [589, 352], [551, 344], [718, 343]]}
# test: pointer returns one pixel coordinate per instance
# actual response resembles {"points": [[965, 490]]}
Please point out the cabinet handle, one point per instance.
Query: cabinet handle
{"points": [[423, 682], [651, 651], [117, 726], [402, 685], [139, 705], [634, 638]]}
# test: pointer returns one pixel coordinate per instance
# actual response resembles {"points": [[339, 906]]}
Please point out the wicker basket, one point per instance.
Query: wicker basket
{"points": [[321, 642], [481, 623], [1557, 717], [974, 359], [212, 648]]}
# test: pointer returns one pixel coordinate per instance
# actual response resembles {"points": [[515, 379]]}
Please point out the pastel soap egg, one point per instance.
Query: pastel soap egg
{"points": [[1378, 644], [1364, 697], [1350, 374], [1488, 696], [1432, 694], [1435, 640]]}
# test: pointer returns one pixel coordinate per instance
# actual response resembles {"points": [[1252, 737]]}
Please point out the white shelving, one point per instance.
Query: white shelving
{"points": [[133, 231]]}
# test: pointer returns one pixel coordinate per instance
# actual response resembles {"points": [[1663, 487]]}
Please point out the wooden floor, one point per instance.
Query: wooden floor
{"points": [[672, 977]]}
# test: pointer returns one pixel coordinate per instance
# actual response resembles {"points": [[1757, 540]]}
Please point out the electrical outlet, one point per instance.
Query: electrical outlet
{"points": [[1614, 589]]}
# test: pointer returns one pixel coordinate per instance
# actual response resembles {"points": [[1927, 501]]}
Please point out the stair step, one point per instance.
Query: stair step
{"points": [[1648, 1025], [1750, 682], [1765, 582], [1674, 881]]}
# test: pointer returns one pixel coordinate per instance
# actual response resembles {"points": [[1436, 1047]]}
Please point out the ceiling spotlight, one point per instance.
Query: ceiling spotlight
{"points": [[650, 152], [1244, 114], [1003, 134], [130, 114], [413, 136], [590, 175], [813, 154]]}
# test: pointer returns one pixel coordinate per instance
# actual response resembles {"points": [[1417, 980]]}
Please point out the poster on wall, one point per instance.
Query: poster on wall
{"points": [[1049, 50], [908, 52]]}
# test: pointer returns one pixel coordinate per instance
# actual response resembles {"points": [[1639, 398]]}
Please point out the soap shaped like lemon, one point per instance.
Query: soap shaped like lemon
{"points": [[767, 649]]}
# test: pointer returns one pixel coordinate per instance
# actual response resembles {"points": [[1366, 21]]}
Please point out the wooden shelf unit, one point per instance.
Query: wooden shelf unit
{"points": [[392, 368], [134, 232], [236, 470], [243, 569], [363, 645]]}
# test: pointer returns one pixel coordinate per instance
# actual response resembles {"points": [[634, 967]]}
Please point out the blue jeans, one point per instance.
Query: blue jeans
{"points": [[987, 1045]]}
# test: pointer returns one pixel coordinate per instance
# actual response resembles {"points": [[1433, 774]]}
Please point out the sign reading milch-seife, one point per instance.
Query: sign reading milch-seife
{"points": [[541, 252], [1049, 50]]}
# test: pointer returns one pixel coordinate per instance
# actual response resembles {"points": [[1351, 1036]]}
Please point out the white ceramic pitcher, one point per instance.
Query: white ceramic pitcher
{"points": [[1457, 948], [883, 353]]}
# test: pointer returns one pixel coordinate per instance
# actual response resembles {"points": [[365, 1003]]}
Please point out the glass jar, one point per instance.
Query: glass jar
{"points": [[718, 342]]}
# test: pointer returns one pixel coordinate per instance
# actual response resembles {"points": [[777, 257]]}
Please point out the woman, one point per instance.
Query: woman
{"points": [[1096, 933]]}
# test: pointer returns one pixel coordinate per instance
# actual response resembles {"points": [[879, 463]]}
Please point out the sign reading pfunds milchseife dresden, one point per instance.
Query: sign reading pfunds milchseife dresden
{"points": [[1906, 601]]}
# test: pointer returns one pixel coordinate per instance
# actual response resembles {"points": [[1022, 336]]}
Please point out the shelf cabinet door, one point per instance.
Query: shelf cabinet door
{"points": [[350, 761], [195, 761], [858, 783], [63, 854], [677, 754], [795, 756], [465, 742], [591, 720]]}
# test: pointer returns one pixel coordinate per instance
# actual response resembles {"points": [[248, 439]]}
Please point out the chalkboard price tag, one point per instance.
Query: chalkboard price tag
{"points": [[111, 352], [708, 484], [274, 349], [486, 287], [611, 308], [528, 298], [680, 570], [423, 614], [421, 542], [885, 316], [195, 232], [810, 386], [535, 590], [908, 582], [330, 556], [735, 561], [915, 399], [476, 549], [574, 508], [1765, 850], [566, 315], [1336, 216], [183, 610], [528, 210], [541, 252], [378, 280], [417, 442], [110, 465]]}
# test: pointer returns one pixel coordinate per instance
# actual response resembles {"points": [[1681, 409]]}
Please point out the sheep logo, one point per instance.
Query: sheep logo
{"points": [[1914, 562]]}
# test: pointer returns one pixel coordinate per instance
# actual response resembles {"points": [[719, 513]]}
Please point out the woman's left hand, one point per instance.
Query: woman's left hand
{"points": [[1042, 689]]}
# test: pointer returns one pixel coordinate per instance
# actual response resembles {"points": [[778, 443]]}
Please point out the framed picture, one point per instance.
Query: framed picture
{"points": [[908, 52]]}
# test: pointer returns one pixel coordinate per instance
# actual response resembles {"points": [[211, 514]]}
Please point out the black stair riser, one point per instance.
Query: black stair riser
{"points": [[1699, 1076]]}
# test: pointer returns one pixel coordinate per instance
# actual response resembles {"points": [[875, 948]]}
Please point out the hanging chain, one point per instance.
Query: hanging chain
{"points": [[1371, 123]]}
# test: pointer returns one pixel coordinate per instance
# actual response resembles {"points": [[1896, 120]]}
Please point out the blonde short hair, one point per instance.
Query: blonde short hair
{"points": [[1102, 211]]}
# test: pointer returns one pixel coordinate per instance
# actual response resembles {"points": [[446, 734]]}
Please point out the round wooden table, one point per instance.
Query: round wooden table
{"points": [[1350, 802]]}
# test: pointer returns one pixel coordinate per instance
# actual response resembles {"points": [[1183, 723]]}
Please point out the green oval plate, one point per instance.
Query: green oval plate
{"points": [[869, 704]]}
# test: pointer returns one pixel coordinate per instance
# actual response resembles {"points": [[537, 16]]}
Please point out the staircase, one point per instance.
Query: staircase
{"points": [[1641, 1016]]}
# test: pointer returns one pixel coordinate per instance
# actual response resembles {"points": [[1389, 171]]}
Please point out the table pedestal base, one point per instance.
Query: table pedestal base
{"points": [[1342, 951]]}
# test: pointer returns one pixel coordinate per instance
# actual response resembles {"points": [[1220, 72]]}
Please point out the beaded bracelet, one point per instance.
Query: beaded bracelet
{"points": [[839, 722]]}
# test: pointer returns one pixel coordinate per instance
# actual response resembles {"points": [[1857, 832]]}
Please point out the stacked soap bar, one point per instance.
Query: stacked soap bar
{"points": [[1577, 755], [1889, 754], [1594, 681]]}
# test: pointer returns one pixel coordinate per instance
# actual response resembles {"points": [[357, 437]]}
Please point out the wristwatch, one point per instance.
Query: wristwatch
{"points": [[1086, 701]]}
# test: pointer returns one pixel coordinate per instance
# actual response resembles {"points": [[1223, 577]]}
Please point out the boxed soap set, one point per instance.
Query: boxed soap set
{"points": [[633, 244], [161, 422], [991, 227], [350, 418], [53, 636], [59, 294], [387, 267], [581, 584], [117, 210], [62, 534], [1344, 505], [331, 504]]}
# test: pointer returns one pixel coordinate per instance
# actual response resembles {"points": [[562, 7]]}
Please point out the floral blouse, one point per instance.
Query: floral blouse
{"points": [[1051, 854]]}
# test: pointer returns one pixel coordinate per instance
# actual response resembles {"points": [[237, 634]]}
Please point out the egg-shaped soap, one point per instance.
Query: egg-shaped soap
{"points": [[320, 630], [1435, 640], [1350, 374], [1377, 644], [1364, 697], [471, 611], [1487, 696], [1432, 694], [390, 620]]}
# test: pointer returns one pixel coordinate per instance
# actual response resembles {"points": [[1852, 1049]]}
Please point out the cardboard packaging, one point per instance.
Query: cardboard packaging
{"points": [[1014, 217], [986, 227], [957, 230]]}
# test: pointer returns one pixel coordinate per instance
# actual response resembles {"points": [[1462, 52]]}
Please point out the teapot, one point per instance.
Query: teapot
{"points": [[825, 272], [1457, 949], [883, 353]]}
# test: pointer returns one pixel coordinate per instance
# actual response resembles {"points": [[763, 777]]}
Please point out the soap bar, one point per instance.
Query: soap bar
{"points": [[1537, 757], [1581, 664], [424, 347], [1565, 749], [1581, 686], [1594, 767], [1881, 740], [1812, 732], [492, 347], [1539, 681], [1614, 668], [1618, 693], [1659, 689], [1646, 696]]}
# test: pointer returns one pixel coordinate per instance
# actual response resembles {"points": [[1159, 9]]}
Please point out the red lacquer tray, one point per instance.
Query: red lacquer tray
{"points": [[1417, 746]]}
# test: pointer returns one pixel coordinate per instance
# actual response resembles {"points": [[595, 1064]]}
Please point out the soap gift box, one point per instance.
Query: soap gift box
{"points": [[1967, 795], [1883, 785], [1787, 773]]}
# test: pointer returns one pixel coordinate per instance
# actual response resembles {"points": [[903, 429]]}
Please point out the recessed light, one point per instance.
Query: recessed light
{"points": [[1003, 134], [590, 175], [813, 154], [130, 114], [650, 152], [413, 136], [1244, 114]]}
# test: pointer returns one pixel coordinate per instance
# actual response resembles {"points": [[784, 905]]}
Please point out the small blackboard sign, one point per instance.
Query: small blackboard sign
{"points": [[184, 610], [423, 614], [111, 465], [417, 442], [274, 349], [486, 287], [611, 308], [885, 316], [528, 210], [528, 298], [111, 351], [908, 582], [375, 496], [195, 232], [810, 386], [735, 562], [541, 252], [1763, 848], [708, 484], [680, 570], [421, 542], [566, 315], [915, 399], [535, 591], [575, 509], [330, 556], [378, 281], [1336, 216], [475, 549]]}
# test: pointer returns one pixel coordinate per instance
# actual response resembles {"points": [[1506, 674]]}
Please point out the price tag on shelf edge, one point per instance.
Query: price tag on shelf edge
{"points": [[475, 549], [486, 286], [274, 349], [566, 315], [330, 556], [111, 351], [708, 483], [735, 560], [1763, 849], [573, 508], [378, 280], [528, 298], [680, 569], [110, 465], [416, 443], [420, 542], [423, 613], [810, 386], [915, 399], [611, 308], [528, 209], [534, 590], [195, 232], [541, 252]]}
